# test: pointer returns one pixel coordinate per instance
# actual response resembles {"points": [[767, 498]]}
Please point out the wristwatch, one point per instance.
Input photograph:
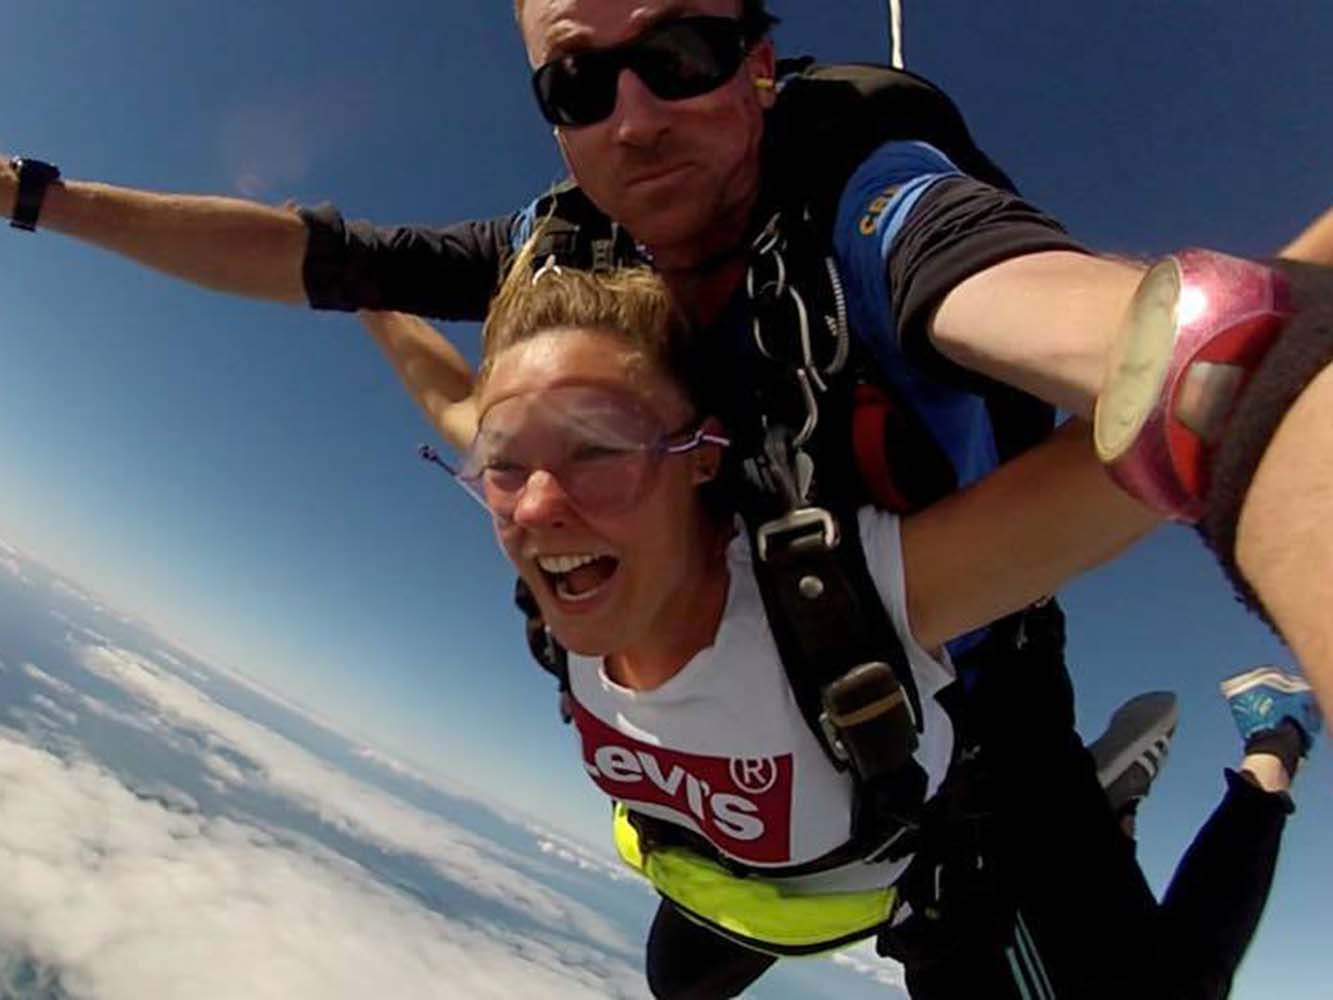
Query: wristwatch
{"points": [[34, 176], [1197, 328]]}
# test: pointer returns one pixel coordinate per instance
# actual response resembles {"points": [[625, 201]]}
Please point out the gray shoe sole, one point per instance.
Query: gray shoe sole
{"points": [[1140, 733]]}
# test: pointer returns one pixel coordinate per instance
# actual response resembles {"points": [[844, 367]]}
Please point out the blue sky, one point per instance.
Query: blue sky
{"points": [[243, 475]]}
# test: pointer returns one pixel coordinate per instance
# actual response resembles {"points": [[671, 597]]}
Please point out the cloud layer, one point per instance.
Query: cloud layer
{"points": [[129, 898]]}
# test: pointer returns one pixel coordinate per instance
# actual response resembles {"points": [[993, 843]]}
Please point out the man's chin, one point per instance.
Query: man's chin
{"points": [[677, 234]]}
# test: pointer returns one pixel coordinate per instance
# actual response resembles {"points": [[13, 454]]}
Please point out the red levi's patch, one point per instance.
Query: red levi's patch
{"points": [[741, 805]]}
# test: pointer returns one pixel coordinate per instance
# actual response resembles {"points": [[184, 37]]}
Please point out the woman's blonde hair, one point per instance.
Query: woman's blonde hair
{"points": [[631, 303]]}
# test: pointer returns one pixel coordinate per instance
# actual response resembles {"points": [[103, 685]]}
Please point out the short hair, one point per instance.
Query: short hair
{"points": [[755, 19]]}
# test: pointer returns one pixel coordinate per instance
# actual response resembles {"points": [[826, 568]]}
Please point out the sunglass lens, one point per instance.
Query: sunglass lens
{"points": [[578, 89], [689, 57], [679, 59]]}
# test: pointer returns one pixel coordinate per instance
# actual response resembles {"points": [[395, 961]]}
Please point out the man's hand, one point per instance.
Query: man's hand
{"points": [[9, 186]]}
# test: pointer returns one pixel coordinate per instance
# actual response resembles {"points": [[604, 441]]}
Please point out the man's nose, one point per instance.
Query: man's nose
{"points": [[640, 117], [542, 502]]}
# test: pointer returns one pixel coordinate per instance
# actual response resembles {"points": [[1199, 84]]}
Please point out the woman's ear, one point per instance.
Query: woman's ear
{"points": [[708, 457], [706, 463]]}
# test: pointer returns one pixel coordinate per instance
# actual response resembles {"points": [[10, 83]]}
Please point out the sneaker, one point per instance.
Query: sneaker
{"points": [[1261, 698], [1133, 748]]}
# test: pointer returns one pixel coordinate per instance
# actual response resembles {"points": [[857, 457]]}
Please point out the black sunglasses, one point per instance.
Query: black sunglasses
{"points": [[677, 59]]}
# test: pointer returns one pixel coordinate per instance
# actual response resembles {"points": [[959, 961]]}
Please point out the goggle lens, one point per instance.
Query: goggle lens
{"points": [[601, 446], [676, 60]]}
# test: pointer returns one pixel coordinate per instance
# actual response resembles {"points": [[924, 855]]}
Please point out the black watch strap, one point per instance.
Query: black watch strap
{"points": [[34, 177]]}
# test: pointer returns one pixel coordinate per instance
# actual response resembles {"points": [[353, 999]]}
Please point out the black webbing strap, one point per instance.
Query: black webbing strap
{"points": [[571, 229], [549, 654], [823, 604], [833, 634]]}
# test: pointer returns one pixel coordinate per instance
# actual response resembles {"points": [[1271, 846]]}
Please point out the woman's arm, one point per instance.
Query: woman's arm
{"points": [[432, 371], [1015, 536]]}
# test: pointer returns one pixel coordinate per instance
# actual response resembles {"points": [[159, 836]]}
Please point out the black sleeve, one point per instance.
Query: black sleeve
{"points": [[448, 273], [959, 228]]}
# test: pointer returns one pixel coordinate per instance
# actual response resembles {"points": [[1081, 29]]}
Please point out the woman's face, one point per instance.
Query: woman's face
{"points": [[609, 578]]}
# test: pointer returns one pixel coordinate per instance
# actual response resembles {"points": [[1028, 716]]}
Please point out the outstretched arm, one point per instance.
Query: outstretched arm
{"points": [[1043, 322], [1015, 537], [432, 371], [226, 244]]}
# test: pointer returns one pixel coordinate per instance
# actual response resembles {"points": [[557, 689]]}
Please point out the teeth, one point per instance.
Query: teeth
{"points": [[564, 564]]}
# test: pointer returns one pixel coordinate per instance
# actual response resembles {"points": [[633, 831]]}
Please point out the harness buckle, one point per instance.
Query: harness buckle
{"points": [[834, 738], [801, 527], [871, 718]]}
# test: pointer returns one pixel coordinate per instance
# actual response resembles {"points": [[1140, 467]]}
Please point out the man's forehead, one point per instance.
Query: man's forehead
{"points": [[551, 27]]}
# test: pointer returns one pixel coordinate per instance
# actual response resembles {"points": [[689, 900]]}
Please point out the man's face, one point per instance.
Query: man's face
{"points": [[680, 175]]}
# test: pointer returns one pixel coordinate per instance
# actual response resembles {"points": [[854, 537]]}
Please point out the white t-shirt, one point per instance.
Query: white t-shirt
{"points": [[723, 749]]}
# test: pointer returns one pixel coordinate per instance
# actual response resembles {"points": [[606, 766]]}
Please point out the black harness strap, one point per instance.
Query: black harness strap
{"points": [[845, 664], [843, 658], [549, 654], [573, 231]]}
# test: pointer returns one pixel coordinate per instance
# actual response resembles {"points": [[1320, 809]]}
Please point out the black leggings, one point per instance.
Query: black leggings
{"points": [[1076, 916]]}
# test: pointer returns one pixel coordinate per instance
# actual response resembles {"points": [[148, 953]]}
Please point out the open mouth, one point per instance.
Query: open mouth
{"points": [[576, 578]]}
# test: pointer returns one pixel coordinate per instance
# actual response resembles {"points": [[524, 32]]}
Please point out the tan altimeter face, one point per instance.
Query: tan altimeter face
{"points": [[1139, 361]]}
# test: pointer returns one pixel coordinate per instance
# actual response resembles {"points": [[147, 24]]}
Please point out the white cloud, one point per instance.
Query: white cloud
{"points": [[360, 810], [224, 770], [11, 566], [572, 852], [128, 899], [60, 713], [69, 590], [39, 675], [861, 958], [94, 706]]}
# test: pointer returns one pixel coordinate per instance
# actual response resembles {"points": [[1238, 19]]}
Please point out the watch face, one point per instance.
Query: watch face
{"points": [[1140, 358]]}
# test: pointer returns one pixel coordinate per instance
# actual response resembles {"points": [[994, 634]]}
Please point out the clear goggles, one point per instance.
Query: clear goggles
{"points": [[601, 445]]}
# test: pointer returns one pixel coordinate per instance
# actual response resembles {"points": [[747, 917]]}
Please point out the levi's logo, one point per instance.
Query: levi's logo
{"points": [[741, 805]]}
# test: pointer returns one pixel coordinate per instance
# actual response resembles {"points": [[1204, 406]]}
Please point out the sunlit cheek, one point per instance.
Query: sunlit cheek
{"points": [[587, 154], [510, 541]]}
